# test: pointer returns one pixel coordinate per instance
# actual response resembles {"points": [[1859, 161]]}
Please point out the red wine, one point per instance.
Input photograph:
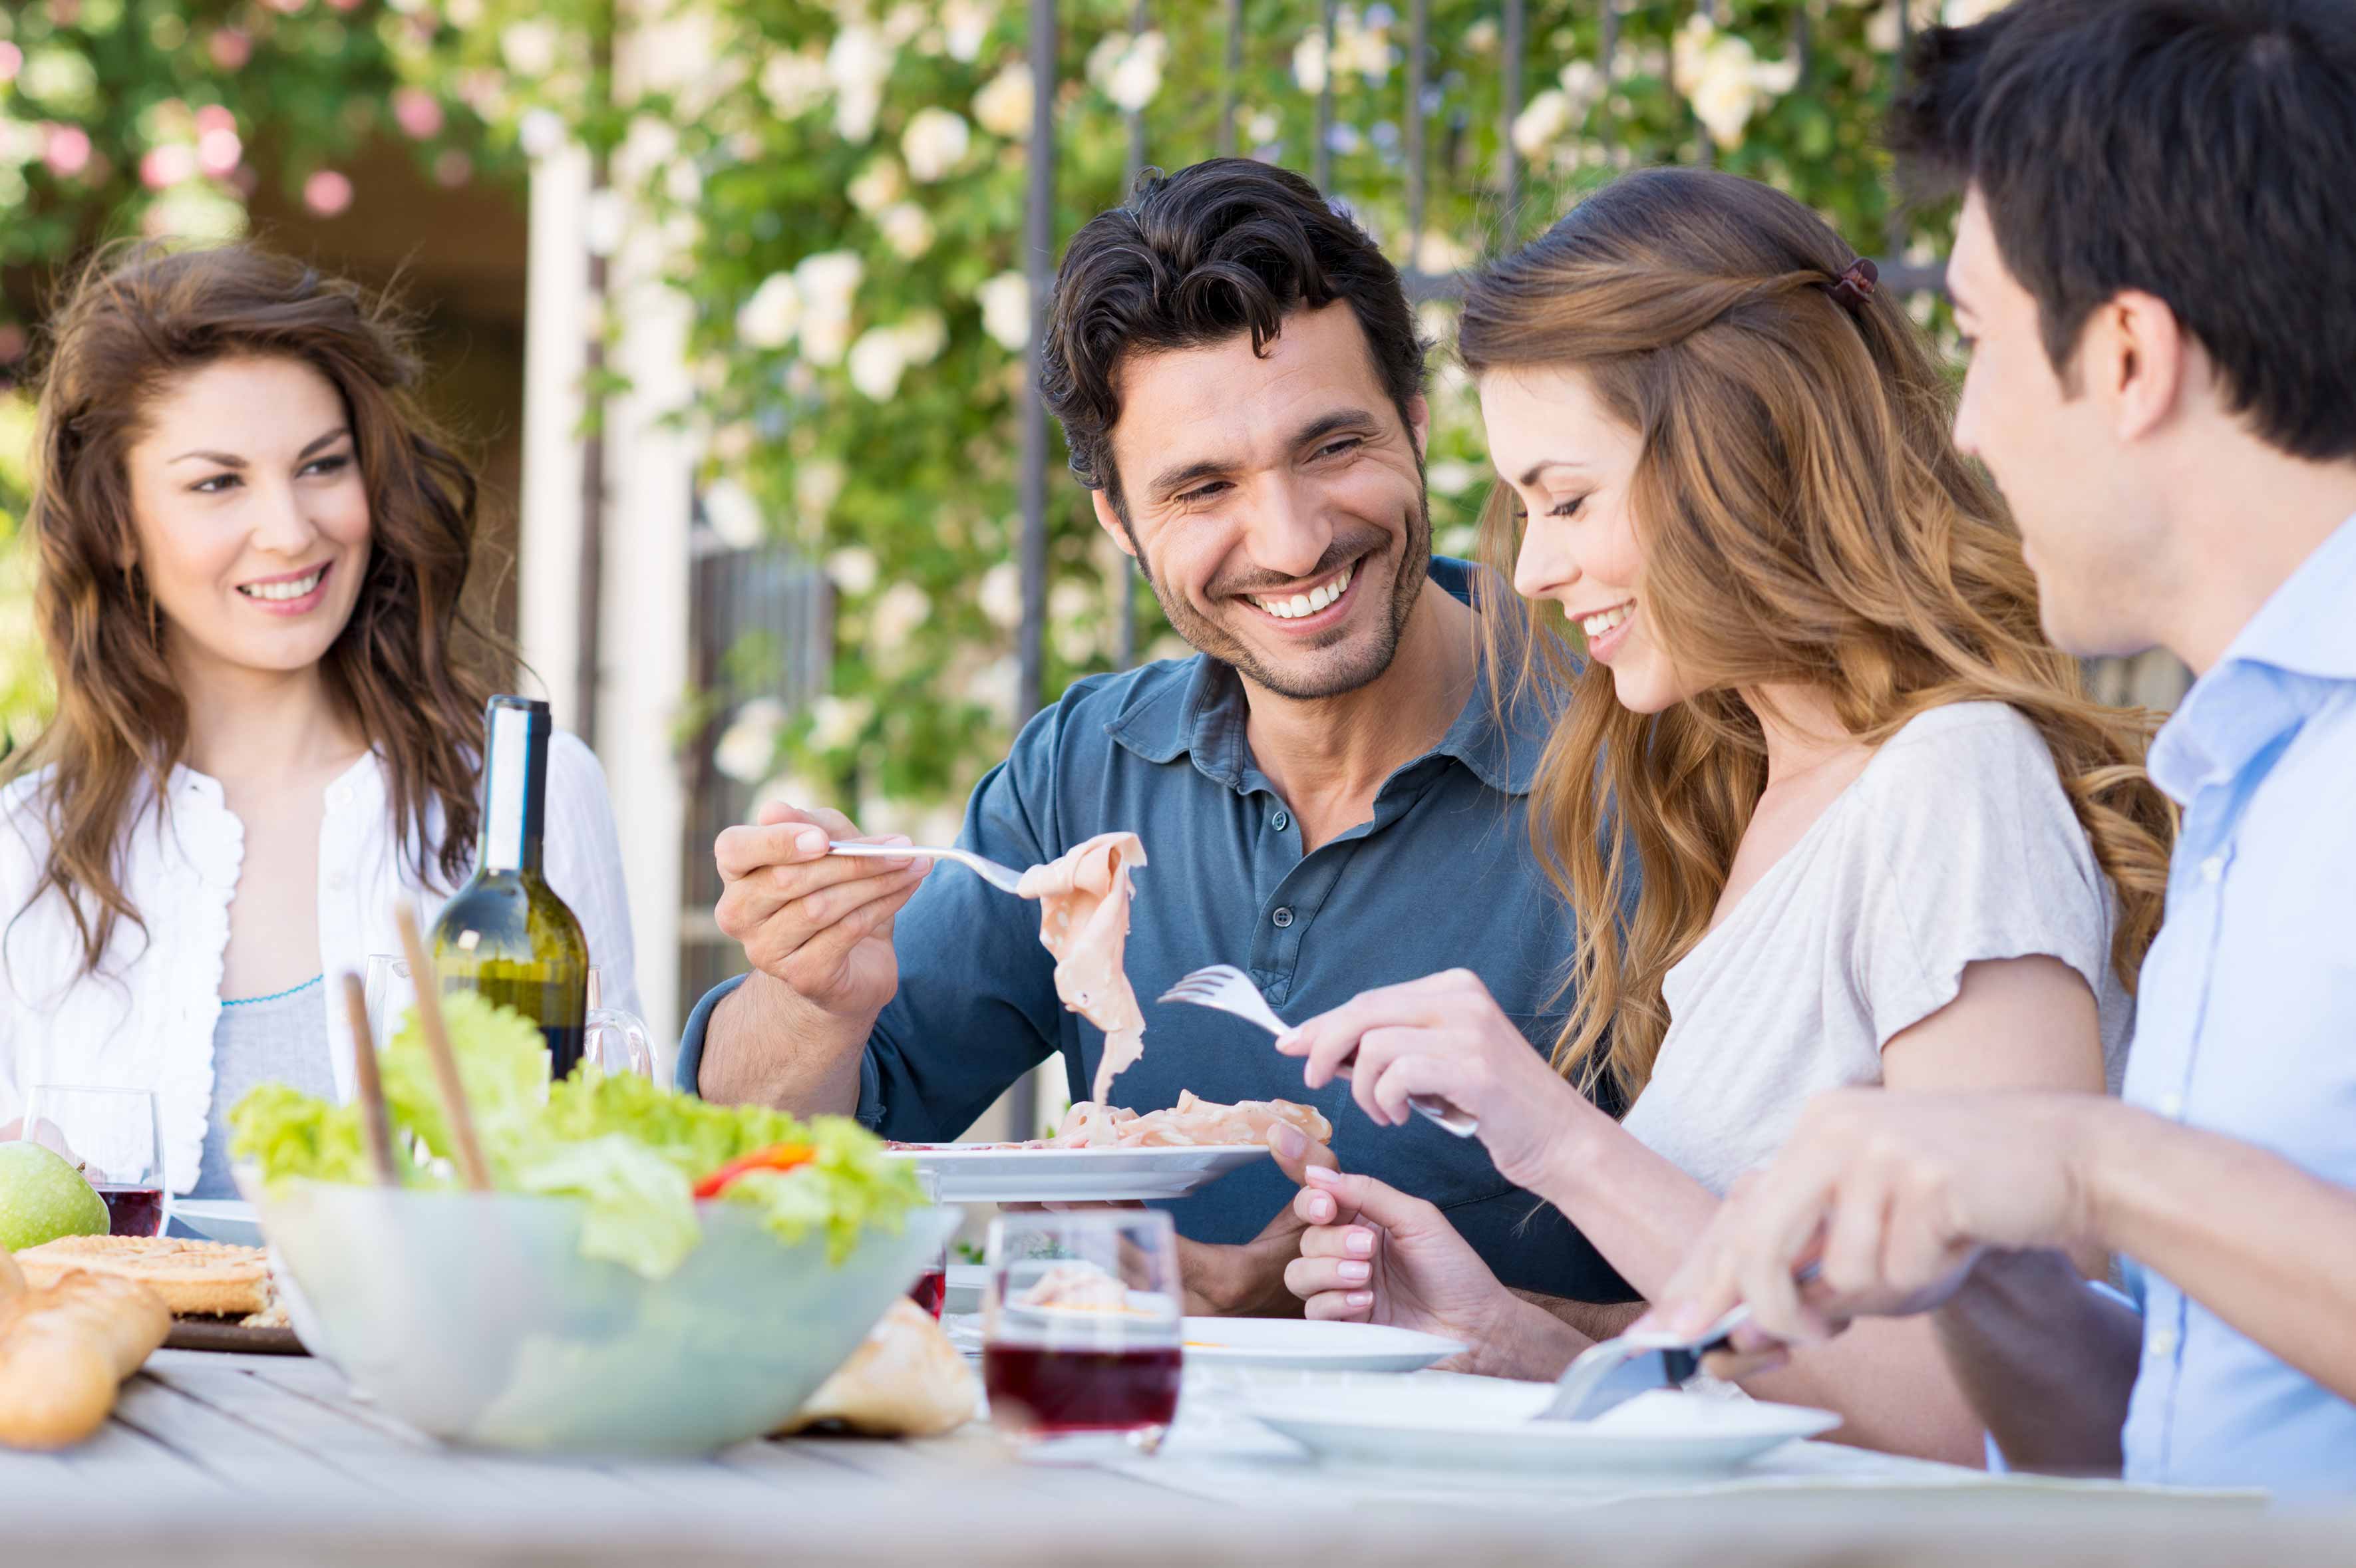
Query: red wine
{"points": [[132, 1211], [932, 1289], [1052, 1391]]}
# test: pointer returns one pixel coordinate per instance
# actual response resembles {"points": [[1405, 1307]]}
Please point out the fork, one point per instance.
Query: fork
{"points": [[1230, 990], [1617, 1369], [1004, 878]]}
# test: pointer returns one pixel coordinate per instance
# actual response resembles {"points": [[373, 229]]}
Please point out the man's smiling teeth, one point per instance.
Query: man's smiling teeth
{"points": [[1595, 625], [292, 590], [1307, 604]]}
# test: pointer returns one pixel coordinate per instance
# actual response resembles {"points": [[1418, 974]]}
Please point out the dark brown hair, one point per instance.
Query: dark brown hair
{"points": [[411, 666], [2196, 150], [1220, 248], [1805, 518]]}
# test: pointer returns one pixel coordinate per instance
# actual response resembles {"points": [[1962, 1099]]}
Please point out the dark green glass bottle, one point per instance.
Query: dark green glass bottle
{"points": [[506, 935]]}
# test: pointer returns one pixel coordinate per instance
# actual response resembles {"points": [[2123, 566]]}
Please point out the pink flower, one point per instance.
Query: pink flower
{"points": [[12, 61], [287, 7], [214, 117], [167, 165], [218, 151], [417, 111], [68, 150], [327, 193], [230, 48]]}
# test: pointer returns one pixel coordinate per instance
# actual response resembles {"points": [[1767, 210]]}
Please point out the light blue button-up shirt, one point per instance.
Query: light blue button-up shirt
{"points": [[2247, 1016]]}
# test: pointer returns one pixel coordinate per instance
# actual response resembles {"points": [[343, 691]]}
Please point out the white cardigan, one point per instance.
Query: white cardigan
{"points": [[147, 1019]]}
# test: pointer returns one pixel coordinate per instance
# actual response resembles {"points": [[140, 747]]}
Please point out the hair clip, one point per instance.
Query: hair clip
{"points": [[1855, 286]]}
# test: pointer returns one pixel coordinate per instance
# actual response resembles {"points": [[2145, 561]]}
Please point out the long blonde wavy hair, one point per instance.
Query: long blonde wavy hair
{"points": [[1803, 518]]}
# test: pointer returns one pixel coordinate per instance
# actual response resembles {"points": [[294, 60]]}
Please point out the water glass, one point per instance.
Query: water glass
{"points": [[1081, 1350], [117, 1140]]}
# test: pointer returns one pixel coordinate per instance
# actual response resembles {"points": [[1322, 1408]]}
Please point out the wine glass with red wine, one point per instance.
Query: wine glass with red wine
{"points": [[114, 1137], [932, 1287], [1081, 1347]]}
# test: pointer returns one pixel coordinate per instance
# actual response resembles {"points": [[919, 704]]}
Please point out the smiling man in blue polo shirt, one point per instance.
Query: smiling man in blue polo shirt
{"points": [[1327, 792]]}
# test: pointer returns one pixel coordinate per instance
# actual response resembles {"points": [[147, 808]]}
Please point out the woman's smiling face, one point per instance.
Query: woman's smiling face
{"points": [[1571, 463], [251, 514]]}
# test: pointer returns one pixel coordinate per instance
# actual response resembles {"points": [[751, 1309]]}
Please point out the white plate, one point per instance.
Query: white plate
{"points": [[220, 1219], [991, 1173], [1297, 1343], [1484, 1425]]}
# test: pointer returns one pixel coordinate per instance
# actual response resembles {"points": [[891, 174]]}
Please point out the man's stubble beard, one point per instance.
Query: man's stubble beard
{"points": [[1207, 636]]}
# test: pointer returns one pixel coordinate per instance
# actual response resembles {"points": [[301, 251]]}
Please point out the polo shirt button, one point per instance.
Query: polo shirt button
{"points": [[2161, 1343], [1279, 822], [2171, 1105], [2213, 868], [1281, 919]]}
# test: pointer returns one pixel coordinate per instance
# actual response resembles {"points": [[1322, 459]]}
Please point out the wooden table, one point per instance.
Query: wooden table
{"points": [[260, 1462]]}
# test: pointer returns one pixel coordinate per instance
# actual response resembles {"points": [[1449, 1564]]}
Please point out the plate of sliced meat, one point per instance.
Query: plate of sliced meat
{"points": [[1110, 1156]]}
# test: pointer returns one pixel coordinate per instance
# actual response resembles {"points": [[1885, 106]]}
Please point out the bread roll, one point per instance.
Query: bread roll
{"points": [[64, 1353], [906, 1379]]}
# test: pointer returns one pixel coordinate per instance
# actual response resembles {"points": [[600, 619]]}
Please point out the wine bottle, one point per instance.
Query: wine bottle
{"points": [[506, 935]]}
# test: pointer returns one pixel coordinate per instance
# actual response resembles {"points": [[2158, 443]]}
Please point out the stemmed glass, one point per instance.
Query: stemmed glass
{"points": [[116, 1137], [1081, 1350]]}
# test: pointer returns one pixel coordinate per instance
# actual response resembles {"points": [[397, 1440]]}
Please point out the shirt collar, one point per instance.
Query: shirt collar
{"points": [[2294, 655], [1205, 719]]}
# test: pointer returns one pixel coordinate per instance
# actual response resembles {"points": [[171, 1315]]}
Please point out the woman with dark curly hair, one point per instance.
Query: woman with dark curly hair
{"points": [[253, 554]]}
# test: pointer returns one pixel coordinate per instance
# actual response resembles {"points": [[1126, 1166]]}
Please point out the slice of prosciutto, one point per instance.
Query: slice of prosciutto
{"points": [[1083, 897], [1192, 1123]]}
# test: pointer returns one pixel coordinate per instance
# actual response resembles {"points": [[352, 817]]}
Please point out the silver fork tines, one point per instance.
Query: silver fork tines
{"points": [[1229, 990], [1005, 878]]}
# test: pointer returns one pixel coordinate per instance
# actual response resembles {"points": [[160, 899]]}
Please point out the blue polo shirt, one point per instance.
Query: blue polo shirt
{"points": [[1443, 876]]}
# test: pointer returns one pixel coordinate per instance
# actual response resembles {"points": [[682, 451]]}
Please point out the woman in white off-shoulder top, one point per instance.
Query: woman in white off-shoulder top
{"points": [[252, 551], [1828, 806]]}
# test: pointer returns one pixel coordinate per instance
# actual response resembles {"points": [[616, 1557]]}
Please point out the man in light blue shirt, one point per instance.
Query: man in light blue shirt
{"points": [[2158, 259]]}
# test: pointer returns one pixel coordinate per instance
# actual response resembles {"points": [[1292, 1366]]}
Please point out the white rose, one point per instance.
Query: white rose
{"points": [[829, 279], [903, 608], [770, 319], [530, 46], [1309, 61], [933, 143], [1002, 107], [1006, 311], [1581, 82], [826, 339], [858, 63], [922, 335], [1361, 49], [876, 363], [1722, 101], [879, 184], [838, 722], [852, 569], [1001, 595], [964, 25], [906, 230], [734, 516], [1128, 69], [817, 484], [794, 83], [1541, 120], [748, 749]]}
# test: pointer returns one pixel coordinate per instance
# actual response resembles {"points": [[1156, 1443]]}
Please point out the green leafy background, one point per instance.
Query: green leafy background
{"points": [[890, 141]]}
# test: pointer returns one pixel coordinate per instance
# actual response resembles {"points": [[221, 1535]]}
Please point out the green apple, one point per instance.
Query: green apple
{"points": [[42, 1197]]}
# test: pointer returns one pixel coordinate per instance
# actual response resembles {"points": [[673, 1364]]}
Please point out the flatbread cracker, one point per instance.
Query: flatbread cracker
{"points": [[194, 1279]]}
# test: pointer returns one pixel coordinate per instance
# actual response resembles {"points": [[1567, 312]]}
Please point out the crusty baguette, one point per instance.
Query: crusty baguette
{"points": [[905, 1380], [194, 1279], [64, 1353]]}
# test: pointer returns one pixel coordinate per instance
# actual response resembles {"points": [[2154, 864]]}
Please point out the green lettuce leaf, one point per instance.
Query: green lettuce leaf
{"points": [[629, 1150]]}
